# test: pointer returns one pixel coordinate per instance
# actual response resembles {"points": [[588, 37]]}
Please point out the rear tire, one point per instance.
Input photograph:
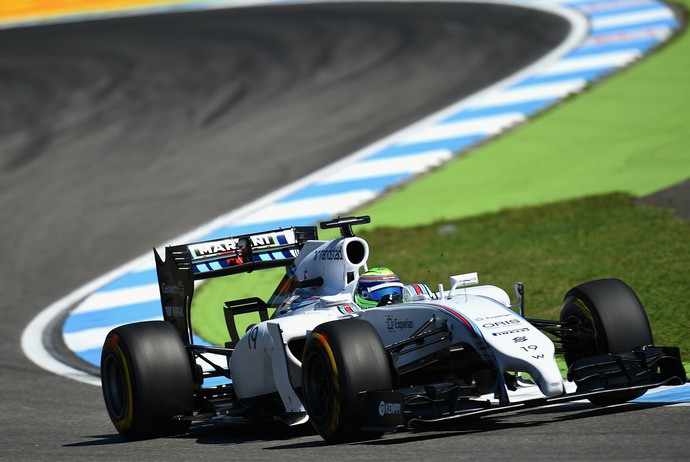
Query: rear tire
{"points": [[341, 359], [609, 318], [147, 380]]}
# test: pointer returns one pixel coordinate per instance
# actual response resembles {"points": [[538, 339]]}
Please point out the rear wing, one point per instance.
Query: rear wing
{"points": [[187, 263]]}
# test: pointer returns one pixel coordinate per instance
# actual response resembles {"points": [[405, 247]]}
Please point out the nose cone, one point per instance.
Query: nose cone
{"points": [[550, 382]]}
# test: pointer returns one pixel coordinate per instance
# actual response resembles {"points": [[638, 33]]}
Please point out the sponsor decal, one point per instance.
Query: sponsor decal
{"points": [[174, 311], [508, 332], [499, 324], [393, 324], [228, 246], [389, 408], [328, 254], [207, 249], [177, 289], [493, 317], [333, 301]]}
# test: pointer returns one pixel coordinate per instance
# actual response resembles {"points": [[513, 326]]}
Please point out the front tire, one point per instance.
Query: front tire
{"points": [[341, 359], [608, 317], [147, 380]]}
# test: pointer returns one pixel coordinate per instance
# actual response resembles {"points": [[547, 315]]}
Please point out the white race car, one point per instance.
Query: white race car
{"points": [[417, 357]]}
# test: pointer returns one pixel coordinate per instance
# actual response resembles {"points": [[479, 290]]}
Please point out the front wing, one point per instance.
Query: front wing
{"points": [[640, 369]]}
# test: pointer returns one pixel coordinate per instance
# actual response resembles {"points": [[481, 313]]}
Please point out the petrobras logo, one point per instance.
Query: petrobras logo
{"points": [[389, 408]]}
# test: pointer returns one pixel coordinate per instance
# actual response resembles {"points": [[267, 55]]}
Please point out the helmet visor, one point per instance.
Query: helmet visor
{"points": [[377, 292]]}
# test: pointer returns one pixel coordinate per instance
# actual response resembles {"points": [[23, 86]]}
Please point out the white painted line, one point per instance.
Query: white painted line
{"points": [[592, 6], [412, 164], [326, 205], [660, 34], [478, 126], [641, 17], [91, 338], [534, 93], [120, 297], [32, 337], [584, 63]]}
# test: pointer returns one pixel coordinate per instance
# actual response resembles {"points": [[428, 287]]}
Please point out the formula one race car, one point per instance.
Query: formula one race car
{"points": [[416, 357]]}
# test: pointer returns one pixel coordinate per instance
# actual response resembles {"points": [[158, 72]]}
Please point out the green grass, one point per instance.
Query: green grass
{"points": [[208, 319], [629, 133], [549, 248], [553, 248]]}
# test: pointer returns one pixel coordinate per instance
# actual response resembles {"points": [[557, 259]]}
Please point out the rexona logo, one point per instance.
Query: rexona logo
{"points": [[227, 246], [389, 408]]}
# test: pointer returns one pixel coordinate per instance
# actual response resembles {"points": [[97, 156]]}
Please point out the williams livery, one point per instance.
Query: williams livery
{"points": [[358, 353]]}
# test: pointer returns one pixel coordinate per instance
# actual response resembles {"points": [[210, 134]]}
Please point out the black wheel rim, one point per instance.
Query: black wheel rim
{"points": [[115, 388], [583, 341], [319, 388]]}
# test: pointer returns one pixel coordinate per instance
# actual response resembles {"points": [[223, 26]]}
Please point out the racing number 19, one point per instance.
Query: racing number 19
{"points": [[251, 338]]}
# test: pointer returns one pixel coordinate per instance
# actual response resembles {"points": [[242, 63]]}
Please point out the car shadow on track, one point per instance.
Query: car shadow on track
{"points": [[575, 411], [98, 440], [248, 432], [303, 436], [220, 433], [514, 420]]}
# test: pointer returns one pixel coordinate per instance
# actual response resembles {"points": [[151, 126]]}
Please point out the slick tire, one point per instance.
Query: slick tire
{"points": [[341, 359], [609, 318], [147, 380]]}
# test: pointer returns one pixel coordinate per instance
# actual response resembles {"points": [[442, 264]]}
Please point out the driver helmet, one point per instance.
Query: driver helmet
{"points": [[375, 284]]}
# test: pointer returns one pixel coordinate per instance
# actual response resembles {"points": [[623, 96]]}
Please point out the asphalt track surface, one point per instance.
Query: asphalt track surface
{"points": [[117, 135]]}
